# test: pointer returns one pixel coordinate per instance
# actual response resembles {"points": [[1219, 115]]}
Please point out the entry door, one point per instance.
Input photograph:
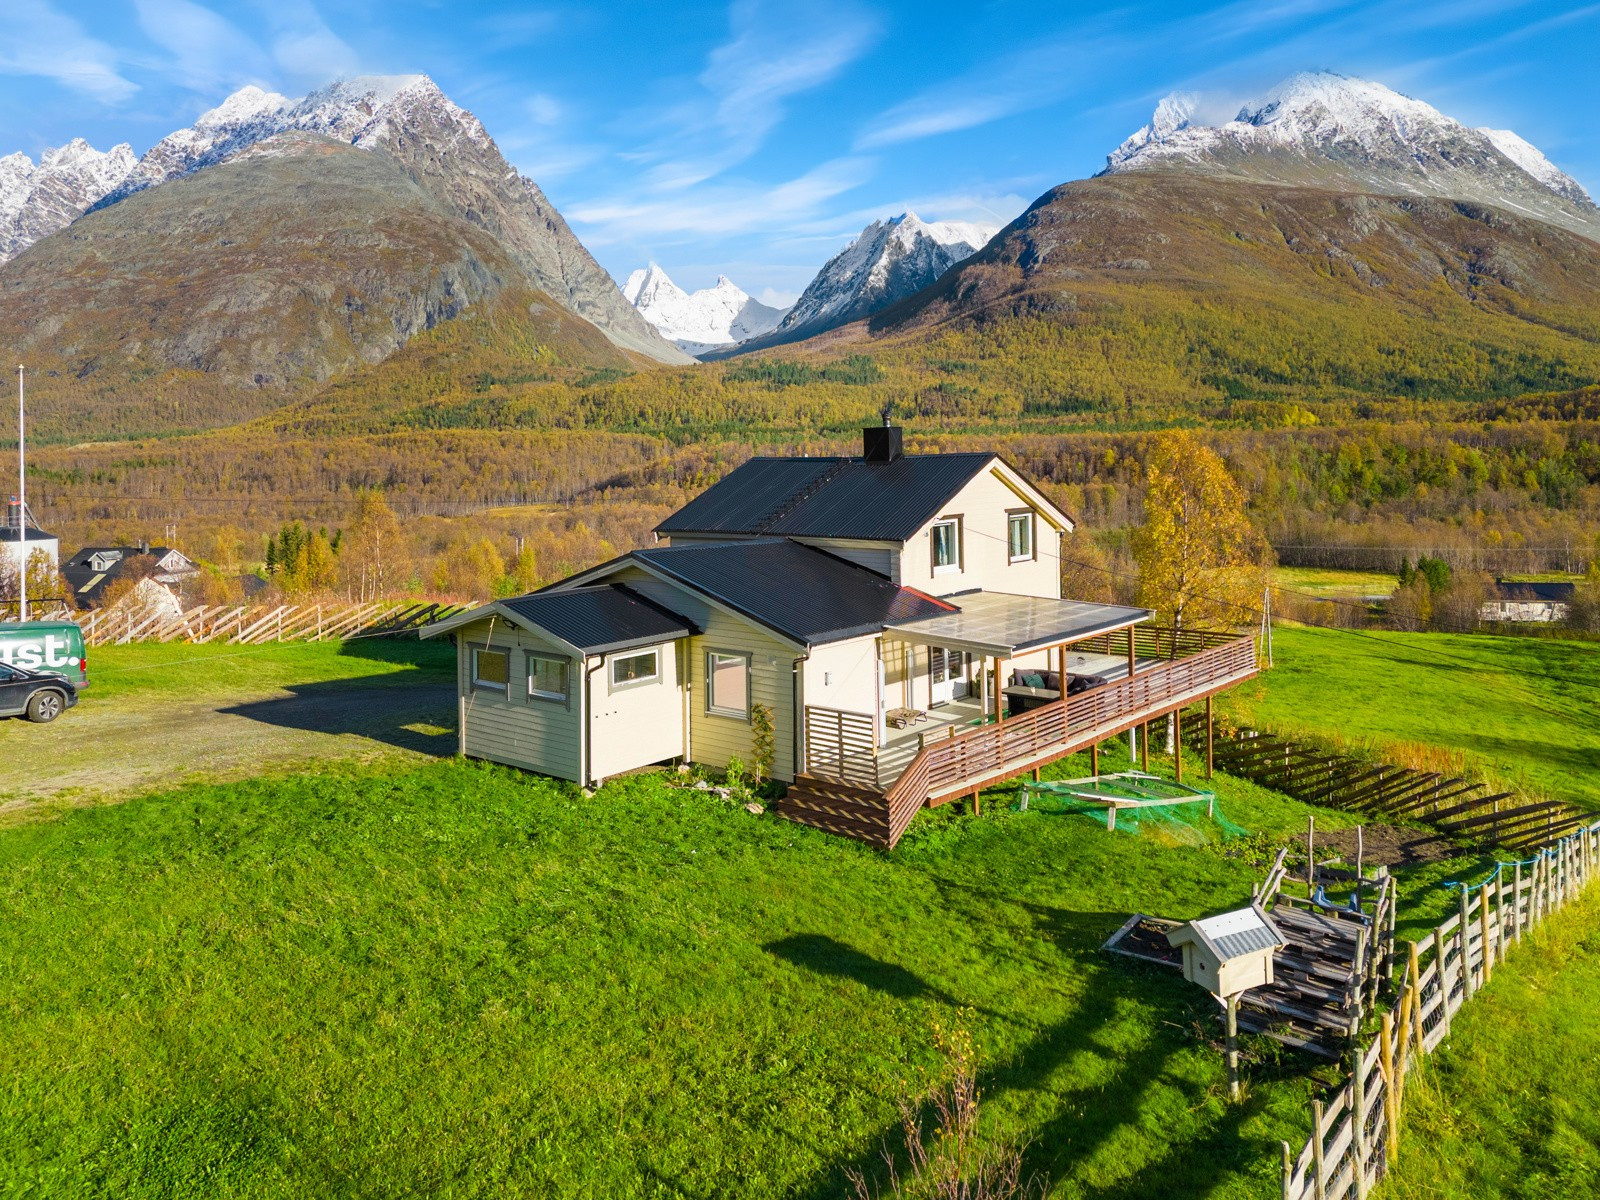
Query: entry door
{"points": [[944, 666]]}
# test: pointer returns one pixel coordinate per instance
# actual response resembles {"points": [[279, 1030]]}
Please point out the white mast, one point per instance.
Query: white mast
{"points": [[22, 496]]}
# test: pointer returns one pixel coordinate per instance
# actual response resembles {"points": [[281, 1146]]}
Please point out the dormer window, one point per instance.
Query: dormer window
{"points": [[1019, 535], [946, 538]]}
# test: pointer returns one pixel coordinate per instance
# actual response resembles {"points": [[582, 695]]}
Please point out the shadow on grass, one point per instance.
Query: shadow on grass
{"points": [[1135, 1083], [384, 709], [824, 955], [435, 656]]}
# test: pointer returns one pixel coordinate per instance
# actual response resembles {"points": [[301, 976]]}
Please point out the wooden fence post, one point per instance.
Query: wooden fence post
{"points": [[1413, 969], [1358, 1127], [1320, 1178], [1467, 987], [1488, 941], [1516, 902], [1288, 1170], [1391, 1110]]}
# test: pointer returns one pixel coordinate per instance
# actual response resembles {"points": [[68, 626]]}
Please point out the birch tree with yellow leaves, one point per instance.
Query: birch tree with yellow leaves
{"points": [[1201, 560]]}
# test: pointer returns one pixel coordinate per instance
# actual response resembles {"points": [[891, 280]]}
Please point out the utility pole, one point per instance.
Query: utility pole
{"points": [[22, 495]]}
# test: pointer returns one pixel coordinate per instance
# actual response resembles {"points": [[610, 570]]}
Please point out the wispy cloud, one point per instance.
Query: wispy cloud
{"points": [[208, 51], [727, 209], [304, 46], [774, 53], [40, 40]]}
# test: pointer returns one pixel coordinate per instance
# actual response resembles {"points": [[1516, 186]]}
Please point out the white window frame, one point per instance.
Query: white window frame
{"points": [[749, 678], [933, 546], [1031, 524], [564, 696], [653, 653], [487, 685]]}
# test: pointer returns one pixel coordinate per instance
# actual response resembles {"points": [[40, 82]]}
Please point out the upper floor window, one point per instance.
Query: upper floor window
{"points": [[1019, 535], [946, 538], [628, 670]]}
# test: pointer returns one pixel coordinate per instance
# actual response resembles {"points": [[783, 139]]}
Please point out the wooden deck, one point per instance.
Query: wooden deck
{"points": [[888, 790]]}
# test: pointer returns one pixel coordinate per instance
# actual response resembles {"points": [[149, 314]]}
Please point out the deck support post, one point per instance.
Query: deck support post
{"points": [[1144, 747], [1094, 758], [1177, 745], [1210, 743]]}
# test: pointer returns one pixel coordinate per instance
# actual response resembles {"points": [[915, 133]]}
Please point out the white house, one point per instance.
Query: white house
{"points": [[898, 618]]}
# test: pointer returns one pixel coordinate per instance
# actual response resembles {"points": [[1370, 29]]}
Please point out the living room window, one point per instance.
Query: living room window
{"points": [[946, 539], [1019, 535], [728, 684], [632, 670]]}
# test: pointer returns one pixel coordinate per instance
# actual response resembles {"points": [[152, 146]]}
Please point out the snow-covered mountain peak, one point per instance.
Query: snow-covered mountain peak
{"points": [[1532, 160], [1324, 129], [888, 260], [713, 317], [249, 103], [36, 199]]}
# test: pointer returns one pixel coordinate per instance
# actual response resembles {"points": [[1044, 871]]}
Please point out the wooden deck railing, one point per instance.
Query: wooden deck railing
{"points": [[842, 745], [948, 766]]}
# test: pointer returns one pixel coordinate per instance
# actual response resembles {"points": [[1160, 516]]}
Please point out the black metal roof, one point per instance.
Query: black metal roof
{"points": [[828, 497], [1559, 593], [805, 594], [600, 619]]}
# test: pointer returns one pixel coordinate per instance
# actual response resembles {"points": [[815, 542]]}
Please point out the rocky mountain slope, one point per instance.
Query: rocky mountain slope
{"points": [[1326, 130], [1177, 285], [445, 150], [696, 322], [210, 299], [887, 261]]}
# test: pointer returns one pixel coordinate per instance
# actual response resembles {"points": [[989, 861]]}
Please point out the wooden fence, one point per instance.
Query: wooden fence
{"points": [[1356, 1135], [243, 624], [1455, 807]]}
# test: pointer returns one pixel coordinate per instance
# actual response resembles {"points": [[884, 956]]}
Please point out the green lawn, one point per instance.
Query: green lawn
{"points": [[1510, 1107], [174, 670], [1529, 708], [460, 980]]}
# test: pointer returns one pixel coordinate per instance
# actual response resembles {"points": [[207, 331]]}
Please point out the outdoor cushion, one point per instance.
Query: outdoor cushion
{"points": [[1033, 679]]}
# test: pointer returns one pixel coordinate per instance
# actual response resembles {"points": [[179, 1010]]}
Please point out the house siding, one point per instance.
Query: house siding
{"points": [[714, 740], [536, 735], [983, 506], [635, 726]]}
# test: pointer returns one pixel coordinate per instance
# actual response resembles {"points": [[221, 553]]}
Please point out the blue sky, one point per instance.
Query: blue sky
{"points": [[755, 138]]}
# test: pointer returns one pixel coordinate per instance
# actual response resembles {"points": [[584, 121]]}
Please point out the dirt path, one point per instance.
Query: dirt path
{"points": [[103, 749]]}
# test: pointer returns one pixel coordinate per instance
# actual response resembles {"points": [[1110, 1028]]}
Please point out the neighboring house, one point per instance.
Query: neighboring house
{"points": [[899, 618], [92, 570], [1527, 603], [21, 539]]}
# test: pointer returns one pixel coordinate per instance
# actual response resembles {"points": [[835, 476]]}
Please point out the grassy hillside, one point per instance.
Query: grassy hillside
{"points": [[1528, 709], [1510, 1108], [463, 981]]}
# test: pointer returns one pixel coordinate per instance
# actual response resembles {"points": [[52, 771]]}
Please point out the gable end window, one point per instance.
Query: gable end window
{"points": [[635, 670], [728, 684], [1019, 536], [945, 537], [547, 678], [491, 670]]}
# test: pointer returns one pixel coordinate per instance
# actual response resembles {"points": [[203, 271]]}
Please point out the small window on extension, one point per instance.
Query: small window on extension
{"points": [[631, 670]]}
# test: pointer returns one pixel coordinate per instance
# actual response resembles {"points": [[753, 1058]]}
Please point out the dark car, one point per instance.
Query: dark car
{"points": [[34, 694]]}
